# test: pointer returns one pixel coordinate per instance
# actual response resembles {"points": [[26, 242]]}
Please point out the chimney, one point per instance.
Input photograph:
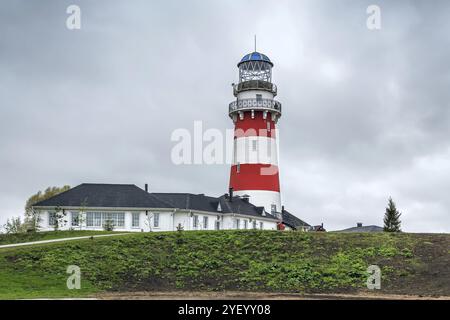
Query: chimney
{"points": [[359, 224], [282, 208], [146, 187], [230, 191]]}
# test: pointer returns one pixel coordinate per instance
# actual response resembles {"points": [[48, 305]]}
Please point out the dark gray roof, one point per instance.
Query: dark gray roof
{"points": [[363, 229], [130, 196], [104, 196], [188, 201], [292, 221], [201, 202], [241, 206]]}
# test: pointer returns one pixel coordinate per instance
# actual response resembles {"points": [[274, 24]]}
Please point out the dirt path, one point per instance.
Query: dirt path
{"points": [[235, 295], [58, 240]]}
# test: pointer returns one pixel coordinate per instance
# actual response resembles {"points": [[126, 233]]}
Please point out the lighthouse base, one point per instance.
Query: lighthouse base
{"points": [[262, 198]]}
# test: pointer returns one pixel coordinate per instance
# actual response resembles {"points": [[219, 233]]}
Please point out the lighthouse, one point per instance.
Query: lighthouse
{"points": [[255, 112]]}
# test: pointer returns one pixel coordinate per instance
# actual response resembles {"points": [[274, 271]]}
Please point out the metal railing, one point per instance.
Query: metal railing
{"points": [[252, 104], [255, 85]]}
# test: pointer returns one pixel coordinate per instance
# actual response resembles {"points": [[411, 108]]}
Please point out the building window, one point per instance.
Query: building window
{"points": [[245, 224], [195, 222], [217, 225], [254, 145], [51, 219], [259, 97], [238, 168], [135, 220], [89, 219], [254, 224], [156, 220], [75, 219], [98, 219], [238, 222], [205, 222], [261, 225]]}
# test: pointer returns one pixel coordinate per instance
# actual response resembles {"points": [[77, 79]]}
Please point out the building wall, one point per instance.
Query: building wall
{"points": [[168, 221]]}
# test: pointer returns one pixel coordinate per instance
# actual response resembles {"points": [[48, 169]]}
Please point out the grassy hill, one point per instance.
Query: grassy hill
{"points": [[267, 261]]}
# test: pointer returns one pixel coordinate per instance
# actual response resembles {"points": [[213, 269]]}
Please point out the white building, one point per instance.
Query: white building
{"points": [[129, 208]]}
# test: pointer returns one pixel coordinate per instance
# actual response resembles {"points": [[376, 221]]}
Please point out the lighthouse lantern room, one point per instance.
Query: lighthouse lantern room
{"points": [[254, 171]]}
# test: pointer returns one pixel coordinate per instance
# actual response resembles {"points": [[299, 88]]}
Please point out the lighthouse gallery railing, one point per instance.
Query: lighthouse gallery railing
{"points": [[261, 104]]}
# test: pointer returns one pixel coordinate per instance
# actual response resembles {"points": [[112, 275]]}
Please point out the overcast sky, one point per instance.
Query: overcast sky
{"points": [[365, 112]]}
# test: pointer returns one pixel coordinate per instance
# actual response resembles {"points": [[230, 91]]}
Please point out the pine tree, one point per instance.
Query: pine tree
{"points": [[392, 218]]}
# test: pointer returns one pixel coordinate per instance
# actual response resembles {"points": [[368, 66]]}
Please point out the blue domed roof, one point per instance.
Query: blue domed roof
{"points": [[255, 56]]}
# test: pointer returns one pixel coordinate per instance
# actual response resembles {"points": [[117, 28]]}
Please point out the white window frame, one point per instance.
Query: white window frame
{"points": [[156, 220], [245, 224], [74, 222], [51, 219], [254, 225], [238, 222], [205, 222], [217, 225], [195, 221], [261, 225], [133, 219], [96, 219]]}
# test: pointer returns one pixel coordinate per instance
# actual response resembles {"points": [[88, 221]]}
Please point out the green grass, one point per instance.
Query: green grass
{"points": [[215, 260], [50, 235]]}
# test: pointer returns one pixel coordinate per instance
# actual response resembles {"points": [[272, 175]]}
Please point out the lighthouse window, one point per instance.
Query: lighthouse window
{"points": [[238, 168], [259, 97], [254, 145]]}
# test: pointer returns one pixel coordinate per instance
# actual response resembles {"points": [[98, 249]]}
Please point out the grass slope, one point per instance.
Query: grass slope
{"points": [[230, 260], [50, 235]]}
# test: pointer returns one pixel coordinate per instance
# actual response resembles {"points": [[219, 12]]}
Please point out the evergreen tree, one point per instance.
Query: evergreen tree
{"points": [[392, 218]]}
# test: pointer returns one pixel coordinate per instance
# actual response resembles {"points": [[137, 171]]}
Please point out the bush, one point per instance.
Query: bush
{"points": [[108, 225]]}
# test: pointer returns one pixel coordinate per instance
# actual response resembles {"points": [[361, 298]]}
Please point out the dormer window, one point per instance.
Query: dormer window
{"points": [[219, 208], [273, 208]]}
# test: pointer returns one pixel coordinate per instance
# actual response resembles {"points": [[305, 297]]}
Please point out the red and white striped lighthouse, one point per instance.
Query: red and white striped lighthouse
{"points": [[254, 171]]}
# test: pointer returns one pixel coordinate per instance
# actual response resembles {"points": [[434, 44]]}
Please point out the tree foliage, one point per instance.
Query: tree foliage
{"points": [[14, 225], [392, 217], [32, 217]]}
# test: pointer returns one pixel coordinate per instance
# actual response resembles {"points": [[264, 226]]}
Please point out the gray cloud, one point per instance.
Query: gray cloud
{"points": [[366, 113]]}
